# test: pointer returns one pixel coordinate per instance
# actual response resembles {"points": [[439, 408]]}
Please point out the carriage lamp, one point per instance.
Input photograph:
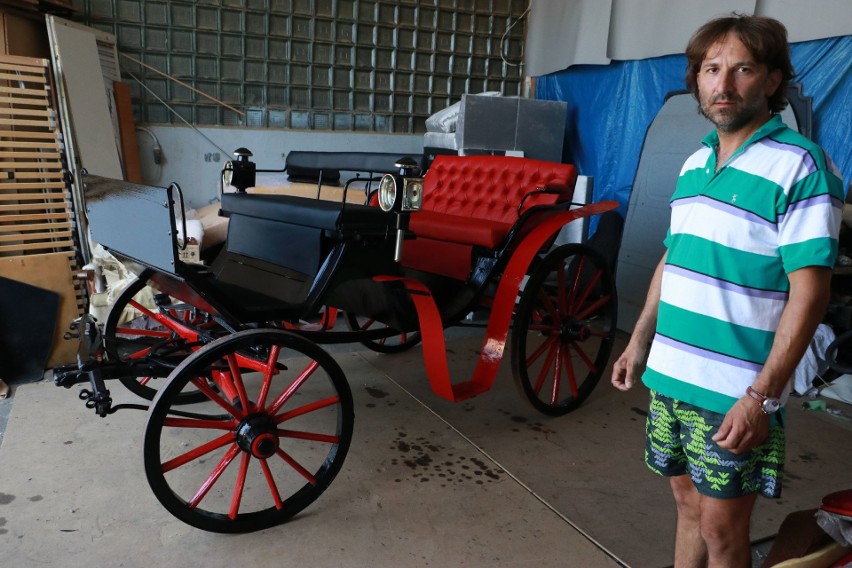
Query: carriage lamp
{"points": [[239, 173], [402, 192]]}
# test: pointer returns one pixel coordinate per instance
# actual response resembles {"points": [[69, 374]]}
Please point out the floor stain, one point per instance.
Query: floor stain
{"points": [[376, 393], [35, 498], [639, 411], [428, 461], [5, 498]]}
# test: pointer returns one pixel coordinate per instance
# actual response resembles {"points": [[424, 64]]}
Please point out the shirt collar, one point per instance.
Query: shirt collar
{"points": [[769, 127]]}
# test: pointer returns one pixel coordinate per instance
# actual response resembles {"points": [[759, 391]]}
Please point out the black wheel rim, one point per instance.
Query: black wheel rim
{"points": [[564, 329], [220, 468], [124, 342], [393, 344]]}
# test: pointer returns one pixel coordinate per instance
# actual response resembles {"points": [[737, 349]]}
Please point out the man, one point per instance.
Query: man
{"points": [[738, 294]]}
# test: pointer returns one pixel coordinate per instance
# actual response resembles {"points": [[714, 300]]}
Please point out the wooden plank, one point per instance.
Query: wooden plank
{"points": [[23, 60], [39, 175], [37, 237], [37, 246], [127, 133], [27, 217], [32, 207], [54, 272], [38, 155], [48, 165], [14, 111], [23, 78], [28, 185], [31, 196], [25, 101], [34, 226], [23, 91], [21, 67], [22, 122], [18, 144], [13, 134]]}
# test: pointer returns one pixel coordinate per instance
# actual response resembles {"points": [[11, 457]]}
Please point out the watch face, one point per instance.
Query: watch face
{"points": [[771, 405]]}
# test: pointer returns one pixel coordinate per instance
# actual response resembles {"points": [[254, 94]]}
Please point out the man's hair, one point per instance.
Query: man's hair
{"points": [[765, 39]]}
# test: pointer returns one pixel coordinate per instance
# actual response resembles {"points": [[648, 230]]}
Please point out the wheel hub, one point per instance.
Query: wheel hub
{"points": [[257, 434], [575, 331]]}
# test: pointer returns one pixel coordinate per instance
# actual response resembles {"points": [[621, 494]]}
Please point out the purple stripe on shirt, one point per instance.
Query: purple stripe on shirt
{"points": [[806, 157], [724, 207], [705, 354], [814, 201], [724, 285]]}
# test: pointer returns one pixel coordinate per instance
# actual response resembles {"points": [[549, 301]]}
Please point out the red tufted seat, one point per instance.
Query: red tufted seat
{"points": [[473, 201]]}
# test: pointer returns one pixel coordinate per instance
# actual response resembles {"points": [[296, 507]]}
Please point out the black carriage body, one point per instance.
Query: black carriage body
{"points": [[283, 259]]}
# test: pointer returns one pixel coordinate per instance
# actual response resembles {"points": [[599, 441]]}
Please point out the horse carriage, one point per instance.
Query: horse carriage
{"points": [[250, 418]]}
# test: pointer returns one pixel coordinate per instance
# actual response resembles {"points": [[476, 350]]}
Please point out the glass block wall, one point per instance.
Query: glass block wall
{"points": [[351, 65]]}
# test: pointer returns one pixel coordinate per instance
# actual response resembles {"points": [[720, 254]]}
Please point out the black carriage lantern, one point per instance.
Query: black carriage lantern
{"points": [[239, 173]]}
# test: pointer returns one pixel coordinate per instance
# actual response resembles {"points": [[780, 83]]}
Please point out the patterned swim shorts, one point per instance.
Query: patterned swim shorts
{"points": [[679, 441]]}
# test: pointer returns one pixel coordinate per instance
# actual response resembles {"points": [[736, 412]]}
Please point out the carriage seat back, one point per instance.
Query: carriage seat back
{"points": [[475, 201]]}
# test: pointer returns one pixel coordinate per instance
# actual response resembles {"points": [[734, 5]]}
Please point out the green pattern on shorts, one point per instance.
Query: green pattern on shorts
{"points": [[679, 441]]}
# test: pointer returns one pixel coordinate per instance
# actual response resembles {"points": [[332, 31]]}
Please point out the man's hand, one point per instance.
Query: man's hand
{"points": [[627, 370], [744, 427]]}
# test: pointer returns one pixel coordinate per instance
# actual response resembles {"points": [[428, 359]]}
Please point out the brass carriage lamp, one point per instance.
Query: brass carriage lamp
{"points": [[239, 173]]}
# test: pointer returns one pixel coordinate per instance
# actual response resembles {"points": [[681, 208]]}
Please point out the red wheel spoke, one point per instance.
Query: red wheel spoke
{"points": [[560, 288], [368, 324], [302, 410], [175, 422], [582, 354], [239, 486], [201, 450], [270, 481], [214, 476], [237, 378], [557, 373], [294, 386], [539, 350], [594, 306], [143, 332], [313, 436], [575, 284], [590, 285], [201, 384], [551, 308], [144, 380], [295, 465], [572, 378], [271, 369], [542, 375]]}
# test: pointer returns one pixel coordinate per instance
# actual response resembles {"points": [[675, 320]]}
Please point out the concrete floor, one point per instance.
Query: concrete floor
{"points": [[483, 483]]}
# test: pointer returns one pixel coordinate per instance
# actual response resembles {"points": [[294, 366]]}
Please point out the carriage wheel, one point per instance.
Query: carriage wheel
{"points": [[253, 459], [393, 344], [564, 329], [125, 340]]}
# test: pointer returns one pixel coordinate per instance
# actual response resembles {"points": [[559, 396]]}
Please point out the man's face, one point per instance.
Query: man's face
{"points": [[733, 89]]}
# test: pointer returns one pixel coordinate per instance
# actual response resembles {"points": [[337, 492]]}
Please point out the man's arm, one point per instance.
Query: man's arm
{"points": [[745, 425], [628, 368]]}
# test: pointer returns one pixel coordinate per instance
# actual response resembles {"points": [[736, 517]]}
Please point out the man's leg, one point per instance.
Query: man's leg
{"points": [[725, 527], [690, 550]]}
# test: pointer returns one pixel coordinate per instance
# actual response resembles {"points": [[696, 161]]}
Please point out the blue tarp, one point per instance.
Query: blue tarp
{"points": [[611, 106]]}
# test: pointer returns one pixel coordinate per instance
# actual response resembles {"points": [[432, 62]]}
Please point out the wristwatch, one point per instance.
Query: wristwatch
{"points": [[768, 404]]}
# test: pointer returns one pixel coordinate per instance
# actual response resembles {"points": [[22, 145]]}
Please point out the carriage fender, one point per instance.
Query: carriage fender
{"points": [[497, 331]]}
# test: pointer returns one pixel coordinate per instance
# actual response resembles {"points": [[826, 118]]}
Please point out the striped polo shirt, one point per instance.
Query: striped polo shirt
{"points": [[772, 208]]}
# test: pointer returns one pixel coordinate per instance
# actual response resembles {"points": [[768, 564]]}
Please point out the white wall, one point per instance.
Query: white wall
{"points": [[194, 159]]}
